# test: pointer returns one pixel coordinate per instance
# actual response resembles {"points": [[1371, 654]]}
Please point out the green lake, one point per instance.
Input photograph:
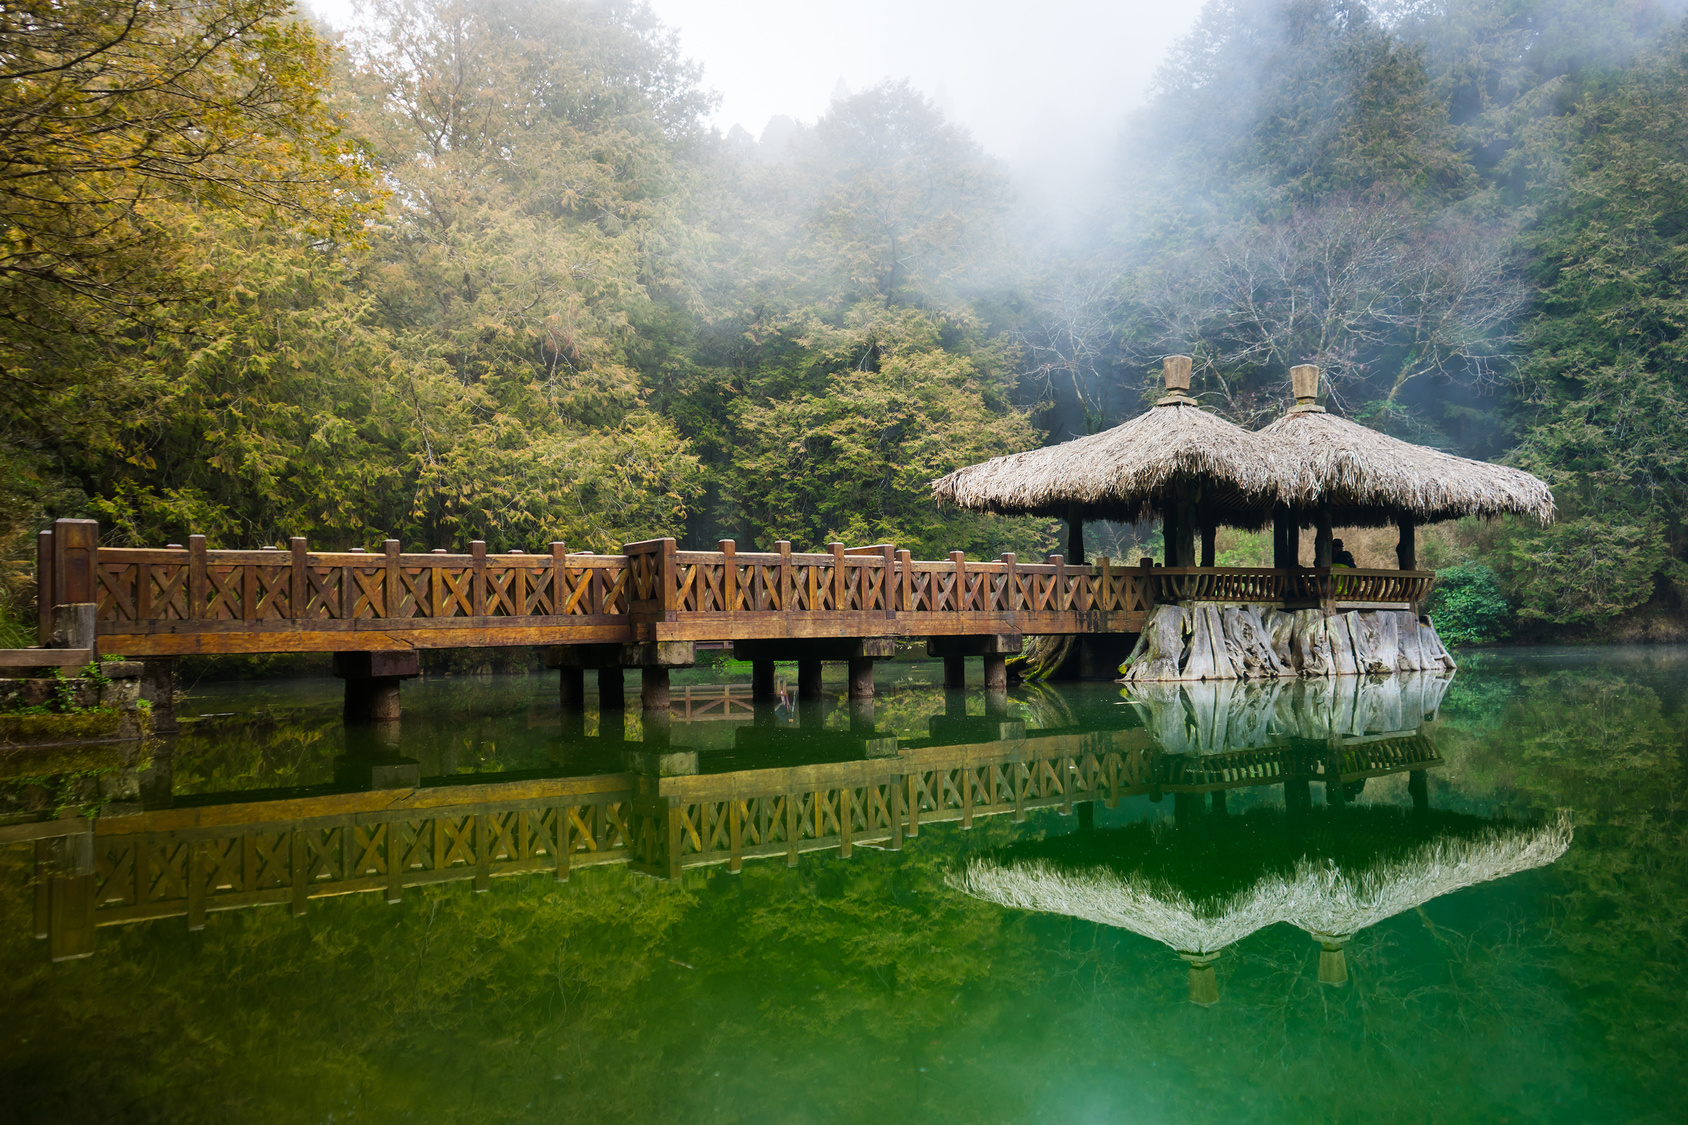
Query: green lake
{"points": [[874, 987]]}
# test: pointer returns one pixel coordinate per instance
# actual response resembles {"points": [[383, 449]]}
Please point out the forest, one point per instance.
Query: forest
{"points": [[480, 269]]}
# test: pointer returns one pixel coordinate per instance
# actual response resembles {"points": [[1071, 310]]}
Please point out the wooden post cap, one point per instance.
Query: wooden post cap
{"points": [[1177, 369], [1304, 381]]}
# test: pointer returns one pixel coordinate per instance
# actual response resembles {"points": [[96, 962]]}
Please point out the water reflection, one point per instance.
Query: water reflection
{"points": [[861, 988], [1199, 889]]}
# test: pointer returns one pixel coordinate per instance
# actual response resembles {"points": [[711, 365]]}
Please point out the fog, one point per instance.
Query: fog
{"points": [[1041, 86]]}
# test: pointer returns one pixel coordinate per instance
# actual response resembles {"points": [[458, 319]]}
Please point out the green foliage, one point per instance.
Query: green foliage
{"points": [[1468, 606]]}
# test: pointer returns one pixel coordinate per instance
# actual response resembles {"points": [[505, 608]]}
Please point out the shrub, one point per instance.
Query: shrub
{"points": [[1468, 606]]}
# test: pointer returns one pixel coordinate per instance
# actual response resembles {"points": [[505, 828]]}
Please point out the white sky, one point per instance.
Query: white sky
{"points": [[1042, 85]]}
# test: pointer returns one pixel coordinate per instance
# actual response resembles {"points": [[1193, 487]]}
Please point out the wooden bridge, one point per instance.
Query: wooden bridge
{"points": [[237, 852], [643, 608]]}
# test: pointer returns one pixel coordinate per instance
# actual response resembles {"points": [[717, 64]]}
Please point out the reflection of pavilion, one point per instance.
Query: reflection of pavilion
{"points": [[785, 789], [1331, 873]]}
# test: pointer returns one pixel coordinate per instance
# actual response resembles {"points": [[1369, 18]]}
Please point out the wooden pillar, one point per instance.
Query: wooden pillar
{"points": [[1169, 531], [996, 672], [372, 683], [809, 680], [955, 673], [653, 689], [1406, 551], [1210, 532], [612, 691], [70, 896], [1321, 540], [861, 678], [762, 681], [1418, 786], [571, 688], [1075, 533], [1286, 538]]}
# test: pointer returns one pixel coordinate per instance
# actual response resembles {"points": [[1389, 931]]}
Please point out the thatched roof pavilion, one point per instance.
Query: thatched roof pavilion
{"points": [[1175, 460], [1341, 473]]}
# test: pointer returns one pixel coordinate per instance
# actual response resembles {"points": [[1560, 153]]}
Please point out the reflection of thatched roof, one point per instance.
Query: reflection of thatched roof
{"points": [[1124, 901], [1371, 478], [1123, 473], [1325, 901], [1242, 889]]}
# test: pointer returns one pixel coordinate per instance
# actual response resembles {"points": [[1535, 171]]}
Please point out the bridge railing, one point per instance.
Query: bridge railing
{"points": [[181, 599]]}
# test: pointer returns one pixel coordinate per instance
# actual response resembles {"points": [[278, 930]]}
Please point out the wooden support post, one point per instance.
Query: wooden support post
{"points": [[840, 592], [372, 682], [483, 853], [1210, 532], [784, 547], [735, 835], [298, 582], [653, 690], [612, 693], [996, 672], [895, 790], [729, 575], [559, 576], [1075, 532], [958, 592], [571, 688], [808, 681], [955, 673], [1418, 787], [1322, 537], [392, 586], [46, 590], [70, 921], [299, 872], [905, 580], [762, 687], [792, 800], [861, 678], [564, 839], [1169, 531], [196, 577], [1406, 551], [477, 592]]}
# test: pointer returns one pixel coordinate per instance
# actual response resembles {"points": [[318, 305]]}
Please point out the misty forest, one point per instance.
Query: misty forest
{"points": [[480, 270]]}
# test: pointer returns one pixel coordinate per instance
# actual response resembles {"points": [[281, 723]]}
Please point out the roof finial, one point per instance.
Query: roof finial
{"points": [[1177, 369], [1304, 381]]}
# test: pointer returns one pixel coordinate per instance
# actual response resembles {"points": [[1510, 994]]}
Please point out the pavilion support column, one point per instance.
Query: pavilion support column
{"points": [[1406, 551], [1283, 538], [1210, 532], [1321, 540], [1186, 532], [1169, 532], [1075, 533]]}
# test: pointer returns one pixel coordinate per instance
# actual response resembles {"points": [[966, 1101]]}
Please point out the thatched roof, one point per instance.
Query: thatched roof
{"points": [[1124, 473], [1370, 478]]}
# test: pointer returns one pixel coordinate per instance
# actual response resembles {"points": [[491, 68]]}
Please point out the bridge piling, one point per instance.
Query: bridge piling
{"points": [[372, 683]]}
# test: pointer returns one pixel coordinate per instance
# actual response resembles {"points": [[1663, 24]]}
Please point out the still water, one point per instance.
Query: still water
{"points": [[1482, 921]]}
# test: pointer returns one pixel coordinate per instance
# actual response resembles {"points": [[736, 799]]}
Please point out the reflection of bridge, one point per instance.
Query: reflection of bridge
{"points": [[198, 857]]}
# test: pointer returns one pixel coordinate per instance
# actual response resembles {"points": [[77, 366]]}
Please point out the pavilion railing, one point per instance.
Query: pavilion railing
{"points": [[1309, 585]]}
